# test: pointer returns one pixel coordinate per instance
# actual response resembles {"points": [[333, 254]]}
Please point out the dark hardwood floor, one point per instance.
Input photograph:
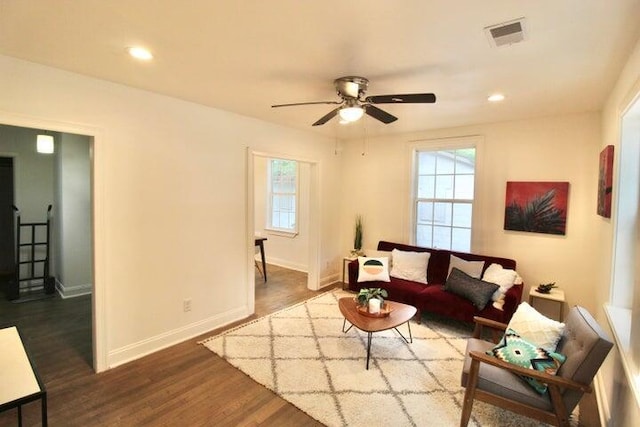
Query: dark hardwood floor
{"points": [[183, 385]]}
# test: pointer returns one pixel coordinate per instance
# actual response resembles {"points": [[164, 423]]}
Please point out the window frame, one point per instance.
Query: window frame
{"points": [[287, 232], [623, 307], [434, 145]]}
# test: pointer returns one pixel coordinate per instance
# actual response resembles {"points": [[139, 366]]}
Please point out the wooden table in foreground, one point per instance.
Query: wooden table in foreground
{"points": [[19, 381], [400, 313]]}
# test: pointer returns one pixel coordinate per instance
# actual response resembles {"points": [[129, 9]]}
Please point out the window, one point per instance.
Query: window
{"points": [[444, 188], [283, 200], [623, 310]]}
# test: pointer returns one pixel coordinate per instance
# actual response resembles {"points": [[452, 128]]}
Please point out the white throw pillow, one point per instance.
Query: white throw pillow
{"points": [[372, 269], [502, 277], [536, 327], [410, 265], [470, 268]]}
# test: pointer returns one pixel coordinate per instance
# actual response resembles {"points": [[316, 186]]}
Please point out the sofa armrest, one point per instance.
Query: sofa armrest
{"points": [[512, 300], [353, 274], [541, 376], [497, 328]]}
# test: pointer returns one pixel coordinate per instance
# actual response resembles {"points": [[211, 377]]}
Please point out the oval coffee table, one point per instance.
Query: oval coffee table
{"points": [[400, 313]]}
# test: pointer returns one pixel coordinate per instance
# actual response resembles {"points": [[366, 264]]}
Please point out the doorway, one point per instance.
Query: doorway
{"points": [[32, 181], [310, 224]]}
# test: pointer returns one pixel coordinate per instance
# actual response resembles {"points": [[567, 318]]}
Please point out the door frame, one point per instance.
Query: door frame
{"points": [[313, 276], [98, 294], [14, 160]]}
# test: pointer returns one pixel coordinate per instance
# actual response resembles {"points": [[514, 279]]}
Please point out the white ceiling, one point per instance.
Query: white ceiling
{"points": [[244, 56]]}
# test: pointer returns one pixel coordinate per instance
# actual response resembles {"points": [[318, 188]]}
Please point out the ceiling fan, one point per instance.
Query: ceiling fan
{"points": [[353, 104]]}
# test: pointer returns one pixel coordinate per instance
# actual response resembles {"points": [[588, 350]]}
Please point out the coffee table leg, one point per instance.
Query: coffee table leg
{"points": [[344, 323], [410, 340], [368, 348]]}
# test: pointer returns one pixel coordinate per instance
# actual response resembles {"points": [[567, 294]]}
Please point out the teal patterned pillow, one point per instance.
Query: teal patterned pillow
{"points": [[515, 350]]}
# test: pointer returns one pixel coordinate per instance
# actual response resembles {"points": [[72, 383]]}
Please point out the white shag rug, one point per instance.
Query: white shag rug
{"points": [[302, 355]]}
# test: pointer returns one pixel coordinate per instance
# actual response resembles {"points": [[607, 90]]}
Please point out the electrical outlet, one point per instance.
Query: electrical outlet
{"points": [[186, 305]]}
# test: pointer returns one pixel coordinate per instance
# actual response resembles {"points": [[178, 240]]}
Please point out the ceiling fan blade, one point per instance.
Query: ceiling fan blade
{"points": [[410, 98], [379, 114], [307, 103], [324, 119]]}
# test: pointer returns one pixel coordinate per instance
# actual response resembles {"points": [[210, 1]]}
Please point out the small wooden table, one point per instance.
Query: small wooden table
{"points": [[400, 313], [19, 381], [260, 244], [555, 295]]}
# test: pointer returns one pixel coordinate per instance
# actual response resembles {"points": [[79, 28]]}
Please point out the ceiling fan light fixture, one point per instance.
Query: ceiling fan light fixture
{"points": [[351, 114], [496, 97]]}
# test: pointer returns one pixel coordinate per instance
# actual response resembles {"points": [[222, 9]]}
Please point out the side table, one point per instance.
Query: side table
{"points": [[20, 381], [555, 295], [345, 261]]}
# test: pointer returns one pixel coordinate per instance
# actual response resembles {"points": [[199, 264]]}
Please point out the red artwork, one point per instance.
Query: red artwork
{"points": [[605, 182], [537, 207]]}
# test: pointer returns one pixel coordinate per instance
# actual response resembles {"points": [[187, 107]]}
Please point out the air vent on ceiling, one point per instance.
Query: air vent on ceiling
{"points": [[507, 33]]}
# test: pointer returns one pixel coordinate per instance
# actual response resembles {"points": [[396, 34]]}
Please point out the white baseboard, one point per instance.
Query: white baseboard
{"points": [[142, 348], [283, 263], [330, 280], [73, 291], [324, 281]]}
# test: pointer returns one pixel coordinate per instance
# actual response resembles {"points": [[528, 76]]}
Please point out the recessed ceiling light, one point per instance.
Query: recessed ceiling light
{"points": [[140, 53], [496, 97]]}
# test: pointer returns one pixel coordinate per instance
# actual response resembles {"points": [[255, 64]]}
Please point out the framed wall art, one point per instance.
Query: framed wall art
{"points": [[536, 207], [605, 181]]}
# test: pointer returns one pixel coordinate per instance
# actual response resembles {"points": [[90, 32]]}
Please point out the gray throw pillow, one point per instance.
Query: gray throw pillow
{"points": [[477, 291]]}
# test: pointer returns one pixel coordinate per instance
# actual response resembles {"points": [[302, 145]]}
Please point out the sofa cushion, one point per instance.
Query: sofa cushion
{"points": [[373, 269], [475, 290], [410, 265], [471, 268], [404, 291]]}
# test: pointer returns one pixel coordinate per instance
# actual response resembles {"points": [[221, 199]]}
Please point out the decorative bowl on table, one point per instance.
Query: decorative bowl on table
{"points": [[385, 310]]}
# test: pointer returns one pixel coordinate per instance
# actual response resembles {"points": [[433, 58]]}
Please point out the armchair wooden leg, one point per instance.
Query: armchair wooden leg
{"points": [[469, 393], [558, 406]]}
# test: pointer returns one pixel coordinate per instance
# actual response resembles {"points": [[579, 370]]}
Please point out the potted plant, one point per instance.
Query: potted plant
{"points": [[366, 294], [357, 241], [545, 288]]}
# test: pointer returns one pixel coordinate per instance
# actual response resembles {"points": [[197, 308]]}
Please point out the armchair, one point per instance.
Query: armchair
{"points": [[496, 382]]}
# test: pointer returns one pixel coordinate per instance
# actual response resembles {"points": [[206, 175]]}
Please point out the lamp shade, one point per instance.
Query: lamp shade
{"points": [[351, 114], [44, 144]]}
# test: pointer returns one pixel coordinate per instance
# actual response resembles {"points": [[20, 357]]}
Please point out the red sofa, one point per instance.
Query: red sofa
{"points": [[432, 297]]}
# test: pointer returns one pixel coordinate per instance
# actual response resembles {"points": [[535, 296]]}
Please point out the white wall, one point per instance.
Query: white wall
{"points": [[286, 251], [545, 149], [74, 254], [170, 205], [33, 172]]}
